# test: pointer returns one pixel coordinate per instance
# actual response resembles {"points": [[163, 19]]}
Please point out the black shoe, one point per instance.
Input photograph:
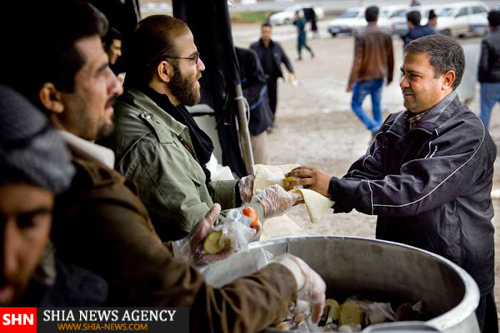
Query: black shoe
{"points": [[312, 55], [298, 59]]}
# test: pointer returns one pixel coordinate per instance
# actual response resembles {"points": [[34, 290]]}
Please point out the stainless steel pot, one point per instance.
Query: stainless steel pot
{"points": [[358, 265]]}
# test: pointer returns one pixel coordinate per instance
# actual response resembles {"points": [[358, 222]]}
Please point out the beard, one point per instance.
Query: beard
{"points": [[184, 88]]}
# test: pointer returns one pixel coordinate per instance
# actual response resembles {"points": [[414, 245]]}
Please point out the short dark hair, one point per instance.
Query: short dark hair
{"points": [[494, 18], [266, 25], [151, 42], [432, 14], [444, 53], [108, 39], [371, 14], [48, 40], [414, 17]]}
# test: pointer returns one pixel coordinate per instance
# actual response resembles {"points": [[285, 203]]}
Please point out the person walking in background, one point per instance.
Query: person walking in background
{"points": [[433, 20], [489, 68], [271, 56], [415, 29], [373, 61], [253, 83], [300, 23]]}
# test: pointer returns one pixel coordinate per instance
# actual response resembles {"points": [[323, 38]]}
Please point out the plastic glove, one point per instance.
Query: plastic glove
{"points": [[246, 188], [190, 248], [311, 287], [275, 200]]}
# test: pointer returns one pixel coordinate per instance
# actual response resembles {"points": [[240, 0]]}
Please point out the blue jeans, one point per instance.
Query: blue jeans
{"points": [[360, 91], [490, 95]]}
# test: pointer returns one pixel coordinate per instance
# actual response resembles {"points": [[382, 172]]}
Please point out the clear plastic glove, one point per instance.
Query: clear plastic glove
{"points": [[275, 200], [246, 188], [311, 287], [190, 248]]}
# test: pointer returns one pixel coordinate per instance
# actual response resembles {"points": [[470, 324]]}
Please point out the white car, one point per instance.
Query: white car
{"points": [[463, 19], [348, 22], [286, 16]]}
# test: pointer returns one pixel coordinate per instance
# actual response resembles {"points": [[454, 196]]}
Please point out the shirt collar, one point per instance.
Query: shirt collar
{"points": [[89, 150]]}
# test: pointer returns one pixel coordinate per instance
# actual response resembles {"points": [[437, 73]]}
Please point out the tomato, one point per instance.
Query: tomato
{"points": [[252, 214]]}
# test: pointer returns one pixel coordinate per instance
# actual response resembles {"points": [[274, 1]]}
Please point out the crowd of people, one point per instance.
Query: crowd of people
{"points": [[102, 180]]}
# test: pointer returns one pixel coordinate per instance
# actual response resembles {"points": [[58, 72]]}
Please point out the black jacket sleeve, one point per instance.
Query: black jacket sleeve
{"points": [[452, 165]]}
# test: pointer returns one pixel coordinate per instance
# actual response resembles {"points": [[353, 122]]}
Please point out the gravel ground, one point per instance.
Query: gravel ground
{"points": [[315, 125]]}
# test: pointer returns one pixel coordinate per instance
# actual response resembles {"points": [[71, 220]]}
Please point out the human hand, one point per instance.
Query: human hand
{"points": [[291, 77], [311, 178], [349, 88], [275, 200], [190, 248], [246, 188], [310, 286]]}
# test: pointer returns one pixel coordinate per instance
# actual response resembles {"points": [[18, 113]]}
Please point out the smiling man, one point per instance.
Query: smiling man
{"points": [[428, 174]]}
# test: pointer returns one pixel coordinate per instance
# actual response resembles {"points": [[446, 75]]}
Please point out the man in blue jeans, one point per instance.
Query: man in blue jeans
{"points": [[373, 61], [489, 68]]}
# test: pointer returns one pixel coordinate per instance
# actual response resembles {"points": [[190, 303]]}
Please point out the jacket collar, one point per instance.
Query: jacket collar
{"points": [[433, 119], [161, 122], [271, 43], [89, 150]]}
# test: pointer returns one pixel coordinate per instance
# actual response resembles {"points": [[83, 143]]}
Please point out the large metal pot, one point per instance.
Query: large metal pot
{"points": [[353, 265]]}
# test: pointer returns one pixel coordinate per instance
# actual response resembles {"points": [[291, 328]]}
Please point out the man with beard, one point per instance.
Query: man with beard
{"points": [[158, 144], [428, 173], [99, 223]]}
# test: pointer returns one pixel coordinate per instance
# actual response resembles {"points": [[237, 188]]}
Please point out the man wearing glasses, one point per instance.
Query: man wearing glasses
{"points": [[159, 146]]}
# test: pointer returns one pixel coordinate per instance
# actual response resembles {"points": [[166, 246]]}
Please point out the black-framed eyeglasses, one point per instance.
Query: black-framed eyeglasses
{"points": [[195, 57]]}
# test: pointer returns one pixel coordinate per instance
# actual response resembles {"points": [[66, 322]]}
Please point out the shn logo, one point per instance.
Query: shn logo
{"points": [[18, 320]]}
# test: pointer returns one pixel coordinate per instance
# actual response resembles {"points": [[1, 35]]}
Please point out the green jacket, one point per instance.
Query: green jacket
{"points": [[155, 151]]}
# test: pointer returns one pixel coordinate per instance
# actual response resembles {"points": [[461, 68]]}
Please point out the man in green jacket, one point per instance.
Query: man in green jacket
{"points": [[157, 142], [99, 223]]}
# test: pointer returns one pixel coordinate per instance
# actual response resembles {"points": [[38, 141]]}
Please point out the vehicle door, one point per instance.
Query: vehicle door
{"points": [[460, 25]]}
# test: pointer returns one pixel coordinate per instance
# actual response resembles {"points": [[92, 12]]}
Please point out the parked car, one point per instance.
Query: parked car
{"points": [[286, 16], [463, 19], [388, 14], [348, 22]]}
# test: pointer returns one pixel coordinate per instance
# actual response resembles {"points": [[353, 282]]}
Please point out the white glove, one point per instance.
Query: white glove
{"points": [[275, 200], [311, 287], [246, 188]]}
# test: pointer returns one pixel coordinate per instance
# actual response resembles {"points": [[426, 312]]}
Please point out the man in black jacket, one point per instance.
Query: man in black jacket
{"points": [[253, 82], [489, 68], [271, 55], [415, 29], [428, 174]]}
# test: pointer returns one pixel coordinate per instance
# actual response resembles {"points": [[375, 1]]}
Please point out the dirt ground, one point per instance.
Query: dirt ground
{"points": [[315, 125]]}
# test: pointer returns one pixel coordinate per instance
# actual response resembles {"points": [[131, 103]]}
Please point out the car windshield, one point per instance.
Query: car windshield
{"points": [[444, 12], [383, 13], [349, 14]]}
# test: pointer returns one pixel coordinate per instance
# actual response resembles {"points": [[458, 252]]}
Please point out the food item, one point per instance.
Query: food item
{"points": [[287, 183], [350, 313], [216, 242], [333, 310], [252, 214]]}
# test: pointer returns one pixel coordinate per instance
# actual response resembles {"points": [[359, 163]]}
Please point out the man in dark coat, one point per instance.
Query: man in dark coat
{"points": [[489, 68], [271, 56], [253, 82], [428, 174], [415, 29]]}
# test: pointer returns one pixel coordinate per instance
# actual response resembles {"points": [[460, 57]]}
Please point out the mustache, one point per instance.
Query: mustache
{"points": [[111, 100]]}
